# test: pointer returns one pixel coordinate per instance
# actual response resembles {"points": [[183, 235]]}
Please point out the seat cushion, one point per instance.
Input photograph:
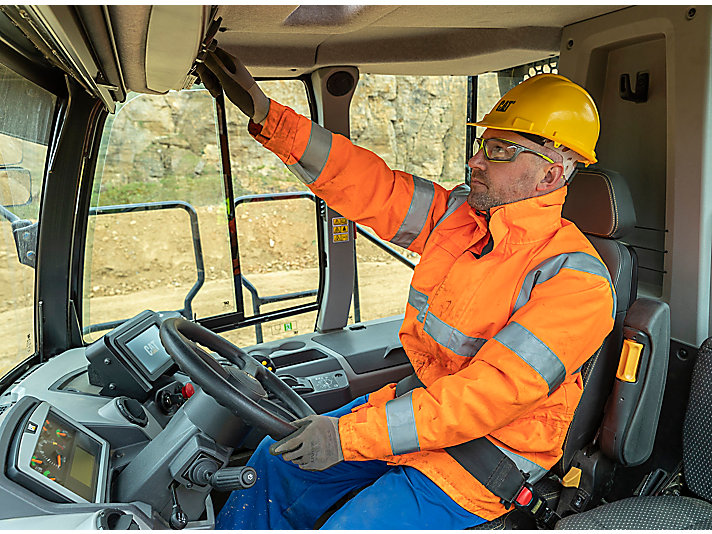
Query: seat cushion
{"points": [[663, 512], [697, 446]]}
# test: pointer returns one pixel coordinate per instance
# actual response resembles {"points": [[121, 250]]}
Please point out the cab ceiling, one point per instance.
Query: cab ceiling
{"points": [[286, 41], [289, 40]]}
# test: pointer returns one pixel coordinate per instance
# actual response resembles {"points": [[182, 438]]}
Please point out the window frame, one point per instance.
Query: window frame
{"points": [[53, 81]]}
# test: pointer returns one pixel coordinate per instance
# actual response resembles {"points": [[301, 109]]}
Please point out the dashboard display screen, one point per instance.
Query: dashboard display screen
{"points": [[148, 350], [67, 456]]}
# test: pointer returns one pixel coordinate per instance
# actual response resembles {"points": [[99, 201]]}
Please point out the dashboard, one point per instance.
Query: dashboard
{"points": [[70, 426]]}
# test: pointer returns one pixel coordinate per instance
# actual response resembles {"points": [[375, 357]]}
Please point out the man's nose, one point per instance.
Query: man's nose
{"points": [[477, 161]]}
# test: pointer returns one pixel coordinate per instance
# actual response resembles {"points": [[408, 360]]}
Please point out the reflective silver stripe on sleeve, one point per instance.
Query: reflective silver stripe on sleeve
{"points": [[451, 338], [417, 216], [417, 299], [525, 465], [534, 352], [312, 162], [546, 270], [401, 425]]}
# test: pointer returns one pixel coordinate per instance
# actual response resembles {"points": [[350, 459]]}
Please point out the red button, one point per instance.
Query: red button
{"points": [[187, 391], [525, 497]]}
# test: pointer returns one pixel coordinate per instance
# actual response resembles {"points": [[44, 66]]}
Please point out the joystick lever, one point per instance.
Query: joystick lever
{"points": [[206, 471], [233, 478]]}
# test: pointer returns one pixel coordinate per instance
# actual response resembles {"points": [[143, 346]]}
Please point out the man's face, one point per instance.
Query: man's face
{"points": [[494, 183]]}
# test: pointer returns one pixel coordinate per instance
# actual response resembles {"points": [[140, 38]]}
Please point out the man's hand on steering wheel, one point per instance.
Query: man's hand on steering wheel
{"points": [[315, 446]]}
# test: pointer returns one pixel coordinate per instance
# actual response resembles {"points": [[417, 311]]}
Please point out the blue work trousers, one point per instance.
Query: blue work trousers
{"points": [[286, 497]]}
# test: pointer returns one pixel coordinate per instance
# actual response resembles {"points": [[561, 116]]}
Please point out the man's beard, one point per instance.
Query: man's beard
{"points": [[483, 200], [479, 199]]}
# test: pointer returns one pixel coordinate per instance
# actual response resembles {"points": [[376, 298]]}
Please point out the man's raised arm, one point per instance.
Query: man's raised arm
{"points": [[400, 207]]}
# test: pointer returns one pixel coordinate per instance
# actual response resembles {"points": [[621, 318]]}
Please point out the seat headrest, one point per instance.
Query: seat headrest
{"points": [[599, 203]]}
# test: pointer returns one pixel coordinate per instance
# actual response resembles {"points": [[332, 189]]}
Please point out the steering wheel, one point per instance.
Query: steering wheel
{"points": [[238, 391]]}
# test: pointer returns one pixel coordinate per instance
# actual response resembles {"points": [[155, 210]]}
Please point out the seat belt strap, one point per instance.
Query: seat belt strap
{"points": [[491, 467], [407, 384], [494, 470]]}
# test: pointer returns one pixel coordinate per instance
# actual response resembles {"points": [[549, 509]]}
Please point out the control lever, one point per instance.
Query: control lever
{"points": [[299, 385], [206, 471], [178, 520], [233, 478]]}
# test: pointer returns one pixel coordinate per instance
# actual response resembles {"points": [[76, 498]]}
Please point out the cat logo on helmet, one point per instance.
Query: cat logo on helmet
{"points": [[504, 105]]}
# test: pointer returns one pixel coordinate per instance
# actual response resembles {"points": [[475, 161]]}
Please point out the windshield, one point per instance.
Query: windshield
{"points": [[25, 121]]}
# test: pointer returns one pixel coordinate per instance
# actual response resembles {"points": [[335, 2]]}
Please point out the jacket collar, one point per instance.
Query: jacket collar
{"points": [[526, 221]]}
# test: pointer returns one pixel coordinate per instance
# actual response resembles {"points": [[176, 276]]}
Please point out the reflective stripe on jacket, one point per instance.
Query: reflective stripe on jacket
{"points": [[496, 329]]}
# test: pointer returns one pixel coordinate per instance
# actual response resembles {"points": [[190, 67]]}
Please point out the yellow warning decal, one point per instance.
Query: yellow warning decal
{"points": [[340, 229]]}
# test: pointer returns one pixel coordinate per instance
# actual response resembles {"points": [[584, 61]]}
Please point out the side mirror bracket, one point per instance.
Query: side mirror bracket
{"points": [[25, 234]]}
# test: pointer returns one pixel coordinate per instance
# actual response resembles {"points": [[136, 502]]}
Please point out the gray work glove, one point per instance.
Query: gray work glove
{"points": [[221, 71], [315, 446]]}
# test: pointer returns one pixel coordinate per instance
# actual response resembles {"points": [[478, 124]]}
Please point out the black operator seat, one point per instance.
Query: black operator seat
{"points": [[600, 204], [670, 511], [624, 382]]}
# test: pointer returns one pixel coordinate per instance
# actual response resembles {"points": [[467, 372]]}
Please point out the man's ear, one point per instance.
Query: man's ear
{"points": [[552, 179]]}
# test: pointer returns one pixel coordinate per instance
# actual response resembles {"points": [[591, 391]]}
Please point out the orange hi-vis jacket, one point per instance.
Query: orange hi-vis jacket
{"points": [[496, 329]]}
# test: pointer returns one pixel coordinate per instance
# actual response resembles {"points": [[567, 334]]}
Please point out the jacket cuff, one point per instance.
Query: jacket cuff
{"points": [[361, 439], [279, 132], [364, 432]]}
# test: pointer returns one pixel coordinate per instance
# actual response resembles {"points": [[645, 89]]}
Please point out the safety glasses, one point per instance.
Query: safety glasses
{"points": [[496, 149]]}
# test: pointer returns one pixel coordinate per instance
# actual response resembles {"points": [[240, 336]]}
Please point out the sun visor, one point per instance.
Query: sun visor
{"points": [[169, 59]]}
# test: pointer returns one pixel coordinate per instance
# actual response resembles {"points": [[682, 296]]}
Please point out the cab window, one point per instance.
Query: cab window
{"points": [[25, 122], [276, 219], [159, 232], [415, 123], [157, 235]]}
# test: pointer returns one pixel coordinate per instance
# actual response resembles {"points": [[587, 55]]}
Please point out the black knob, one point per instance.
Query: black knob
{"points": [[113, 519], [178, 520], [132, 411]]}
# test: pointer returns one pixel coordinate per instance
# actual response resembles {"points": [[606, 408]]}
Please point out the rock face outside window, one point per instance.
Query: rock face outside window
{"points": [[415, 123]]}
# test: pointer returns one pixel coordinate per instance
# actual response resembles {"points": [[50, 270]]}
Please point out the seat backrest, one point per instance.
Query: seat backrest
{"points": [[696, 442], [600, 204]]}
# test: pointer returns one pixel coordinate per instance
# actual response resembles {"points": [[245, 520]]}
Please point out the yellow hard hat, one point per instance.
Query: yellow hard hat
{"points": [[550, 106]]}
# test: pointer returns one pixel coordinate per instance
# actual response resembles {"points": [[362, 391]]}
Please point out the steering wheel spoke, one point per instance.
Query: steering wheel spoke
{"points": [[244, 392]]}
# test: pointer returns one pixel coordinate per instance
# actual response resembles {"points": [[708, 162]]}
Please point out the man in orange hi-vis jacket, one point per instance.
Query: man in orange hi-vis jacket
{"points": [[505, 305]]}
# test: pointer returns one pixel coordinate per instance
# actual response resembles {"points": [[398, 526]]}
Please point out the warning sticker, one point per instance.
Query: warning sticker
{"points": [[282, 328], [340, 229]]}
